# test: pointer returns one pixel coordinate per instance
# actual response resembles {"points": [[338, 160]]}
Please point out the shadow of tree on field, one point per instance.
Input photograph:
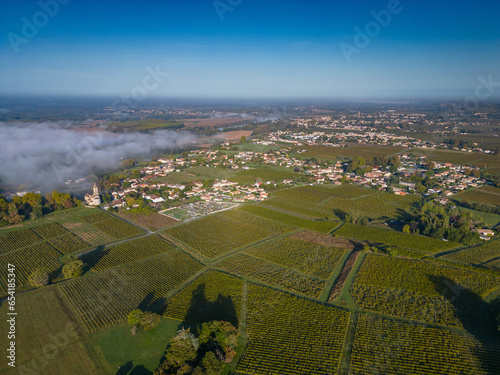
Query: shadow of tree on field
{"points": [[476, 317], [129, 369], [202, 310], [92, 258]]}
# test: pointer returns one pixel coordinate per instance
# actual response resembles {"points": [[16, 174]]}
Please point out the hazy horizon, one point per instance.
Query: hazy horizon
{"points": [[251, 49]]}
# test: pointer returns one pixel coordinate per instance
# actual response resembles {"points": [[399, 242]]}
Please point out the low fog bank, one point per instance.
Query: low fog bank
{"points": [[45, 155]]}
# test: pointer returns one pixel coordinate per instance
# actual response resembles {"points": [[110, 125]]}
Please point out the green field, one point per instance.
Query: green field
{"points": [[485, 194], [332, 153], [144, 125], [490, 163], [336, 202], [316, 225], [391, 237]]}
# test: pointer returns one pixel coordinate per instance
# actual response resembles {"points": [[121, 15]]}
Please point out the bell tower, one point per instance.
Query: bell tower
{"points": [[96, 190]]}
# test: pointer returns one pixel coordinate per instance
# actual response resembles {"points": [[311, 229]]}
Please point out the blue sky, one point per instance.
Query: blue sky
{"points": [[261, 49]]}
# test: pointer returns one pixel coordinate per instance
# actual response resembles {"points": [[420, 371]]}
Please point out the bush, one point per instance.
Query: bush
{"points": [[73, 269], [39, 278]]}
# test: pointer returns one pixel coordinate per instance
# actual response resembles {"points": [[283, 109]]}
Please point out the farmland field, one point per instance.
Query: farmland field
{"points": [[26, 261], [106, 298], [419, 290], [390, 237], [217, 234], [152, 221], [273, 274], [365, 151], [316, 225], [478, 255], [131, 251], [485, 194], [383, 346], [289, 335], [320, 202], [212, 296], [43, 327], [14, 240], [313, 259]]}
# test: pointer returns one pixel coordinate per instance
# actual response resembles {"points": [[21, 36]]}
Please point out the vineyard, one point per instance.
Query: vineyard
{"points": [[68, 243], [96, 218], [217, 234], [117, 228], [313, 259], [245, 265], [382, 346], [484, 194], [212, 296], [318, 226], [106, 298], [320, 202], [27, 260], [17, 239], [389, 237], [126, 252], [477, 255], [289, 335], [418, 290], [49, 231]]}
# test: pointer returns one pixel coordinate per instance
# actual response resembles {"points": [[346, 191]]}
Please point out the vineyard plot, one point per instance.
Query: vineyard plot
{"points": [[106, 298], [290, 335], [273, 274], [17, 239], [383, 346], [478, 255], [322, 226], [390, 237], [51, 230], [130, 251], [212, 296], [313, 259], [26, 261], [420, 290], [217, 234]]}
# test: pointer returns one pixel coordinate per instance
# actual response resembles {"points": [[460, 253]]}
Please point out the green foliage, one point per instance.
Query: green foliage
{"points": [[220, 336], [38, 278], [72, 269], [135, 317], [150, 320]]}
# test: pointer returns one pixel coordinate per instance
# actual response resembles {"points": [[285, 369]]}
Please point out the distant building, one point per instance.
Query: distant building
{"points": [[94, 199]]}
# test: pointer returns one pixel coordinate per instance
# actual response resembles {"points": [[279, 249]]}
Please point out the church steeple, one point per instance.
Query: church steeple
{"points": [[96, 189]]}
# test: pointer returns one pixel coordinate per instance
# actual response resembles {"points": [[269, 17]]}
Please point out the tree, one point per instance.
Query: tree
{"points": [[210, 365], [136, 173], [243, 139], [39, 278], [221, 337], [73, 268], [406, 228], [181, 352], [135, 317], [149, 320]]}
